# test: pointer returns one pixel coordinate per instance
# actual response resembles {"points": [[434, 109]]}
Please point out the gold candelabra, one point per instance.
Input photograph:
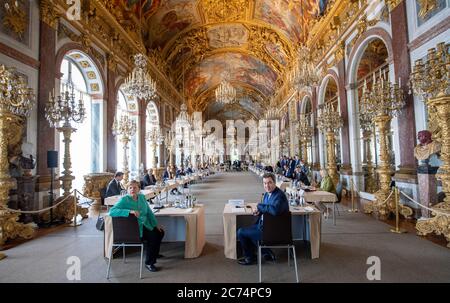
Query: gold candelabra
{"points": [[170, 147], [366, 123], [380, 104], [329, 121], [430, 80], [63, 109], [155, 138], [16, 102], [305, 133], [126, 129]]}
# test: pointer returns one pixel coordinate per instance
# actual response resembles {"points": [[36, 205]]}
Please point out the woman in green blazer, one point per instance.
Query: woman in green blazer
{"points": [[135, 204]]}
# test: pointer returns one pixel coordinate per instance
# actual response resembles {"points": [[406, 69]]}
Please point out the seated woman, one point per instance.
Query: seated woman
{"points": [[134, 204], [325, 185]]}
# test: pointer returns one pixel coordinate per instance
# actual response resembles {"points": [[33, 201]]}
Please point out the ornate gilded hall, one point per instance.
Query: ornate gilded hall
{"points": [[342, 105]]}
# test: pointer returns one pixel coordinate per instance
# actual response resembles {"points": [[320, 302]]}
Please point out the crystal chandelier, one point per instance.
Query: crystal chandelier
{"points": [[139, 83], [225, 93], [15, 96], [304, 74]]}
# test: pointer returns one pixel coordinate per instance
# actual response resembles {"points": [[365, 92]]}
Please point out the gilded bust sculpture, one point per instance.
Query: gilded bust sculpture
{"points": [[426, 146]]}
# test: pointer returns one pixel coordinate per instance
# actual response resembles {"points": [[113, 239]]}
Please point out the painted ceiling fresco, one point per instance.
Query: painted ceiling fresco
{"points": [[241, 68], [252, 40]]}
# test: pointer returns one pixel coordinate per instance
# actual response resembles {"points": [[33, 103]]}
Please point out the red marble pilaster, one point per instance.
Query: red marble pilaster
{"points": [[111, 104], [406, 121], [46, 134]]}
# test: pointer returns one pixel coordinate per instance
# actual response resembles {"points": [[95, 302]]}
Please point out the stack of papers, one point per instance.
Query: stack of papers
{"points": [[236, 202], [309, 208]]}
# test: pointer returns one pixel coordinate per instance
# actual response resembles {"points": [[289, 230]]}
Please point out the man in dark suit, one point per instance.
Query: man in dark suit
{"points": [[149, 178], [275, 203], [167, 174], [115, 187], [300, 176]]}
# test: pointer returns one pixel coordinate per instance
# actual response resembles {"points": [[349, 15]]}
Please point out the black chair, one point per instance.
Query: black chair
{"points": [[125, 233], [277, 233]]}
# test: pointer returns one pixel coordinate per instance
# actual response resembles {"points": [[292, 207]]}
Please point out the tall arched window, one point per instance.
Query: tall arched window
{"points": [[127, 106], [85, 158]]}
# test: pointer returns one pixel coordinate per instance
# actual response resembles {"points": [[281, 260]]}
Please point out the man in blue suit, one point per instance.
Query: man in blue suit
{"points": [[115, 187], [275, 203]]}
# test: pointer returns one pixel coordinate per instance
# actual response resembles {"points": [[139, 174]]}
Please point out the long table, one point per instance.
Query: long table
{"points": [[306, 225], [186, 225]]}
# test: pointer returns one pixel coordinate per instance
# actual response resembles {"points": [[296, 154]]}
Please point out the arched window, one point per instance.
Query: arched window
{"points": [[127, 106], [85, 158], [374, 59]]}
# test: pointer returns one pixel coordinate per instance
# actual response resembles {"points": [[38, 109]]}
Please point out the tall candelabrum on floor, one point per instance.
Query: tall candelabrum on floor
{"points": [[155, 138], [16, 102], [126, 129], [63, 109], [329, 121], [430, 80], [380, 104], [170, 140], [366, 123], [305, 133]]}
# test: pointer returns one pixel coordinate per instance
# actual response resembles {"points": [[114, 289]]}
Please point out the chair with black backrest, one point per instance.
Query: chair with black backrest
{"points": [[277, 233], [125, 233]]}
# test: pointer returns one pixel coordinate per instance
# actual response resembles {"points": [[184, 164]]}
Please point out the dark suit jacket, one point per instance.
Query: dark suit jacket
{"points": [[113, 188], [149, 180], [166, 176], [275, 205], [301, 176]]}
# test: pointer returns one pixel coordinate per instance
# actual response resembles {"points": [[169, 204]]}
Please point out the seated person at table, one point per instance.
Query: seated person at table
{"points": [[300, 177], [275, 203], [115, 187], [279, 169], [134, 204], [287, 171], [149, 178], [167, 174], [180, 172], [189, 170], [325, 185]]}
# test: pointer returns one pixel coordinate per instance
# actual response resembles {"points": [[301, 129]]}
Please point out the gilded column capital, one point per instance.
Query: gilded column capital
{"points": [[48, 13], [391, 4]]}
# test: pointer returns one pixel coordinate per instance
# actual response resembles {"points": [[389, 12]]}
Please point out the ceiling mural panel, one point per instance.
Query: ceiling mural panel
{"points": [[172, 17], [227, 35], [241, 67], [198, 41], [288, 15]]}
